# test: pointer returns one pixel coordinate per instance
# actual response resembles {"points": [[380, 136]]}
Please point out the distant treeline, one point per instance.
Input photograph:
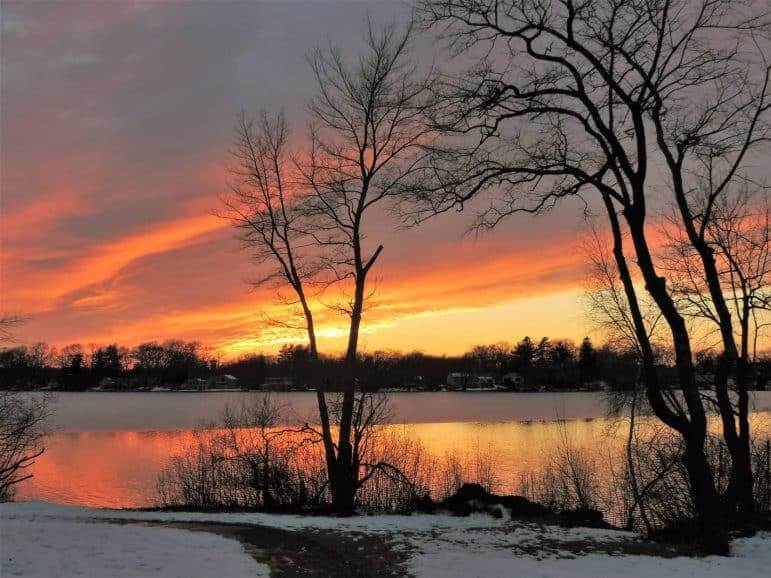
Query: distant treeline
{"points": [[558, 364]]}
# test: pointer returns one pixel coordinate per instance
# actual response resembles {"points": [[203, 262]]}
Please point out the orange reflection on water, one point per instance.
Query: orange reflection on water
{"points": [[106, 469], [120, 469]]}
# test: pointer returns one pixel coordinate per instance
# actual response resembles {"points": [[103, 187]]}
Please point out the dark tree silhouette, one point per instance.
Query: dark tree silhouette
{"points": [[22, 429], [366, 138], [735, 230], [307, 217], [575, 96]]}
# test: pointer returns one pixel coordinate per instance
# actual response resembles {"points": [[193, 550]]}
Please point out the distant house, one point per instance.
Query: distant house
{"points": [[514, 379], [195, 383], [456, 380], [483, 381], [599, 385], [277, 384], [225, 381]]}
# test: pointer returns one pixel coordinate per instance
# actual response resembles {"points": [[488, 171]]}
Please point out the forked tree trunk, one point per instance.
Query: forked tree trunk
{"points": [[739, 494], [706, 499]]}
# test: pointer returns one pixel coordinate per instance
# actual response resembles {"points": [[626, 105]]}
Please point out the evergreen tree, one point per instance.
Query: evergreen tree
{"points": [[587, 361]]}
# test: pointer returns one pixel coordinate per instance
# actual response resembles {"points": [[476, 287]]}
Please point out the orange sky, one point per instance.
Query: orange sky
{"points": [[114, 131], [185, 277], [116, 124]]}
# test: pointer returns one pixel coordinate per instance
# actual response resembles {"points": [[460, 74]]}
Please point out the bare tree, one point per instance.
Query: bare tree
{"points": [[22, 429], [740, 230], [576, 96], [366, 142], [610, 310], [307, 217], [736, 231]]}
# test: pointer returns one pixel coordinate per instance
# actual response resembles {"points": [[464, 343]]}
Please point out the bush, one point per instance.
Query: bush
{"points": [[22, 430], [248, 460]]}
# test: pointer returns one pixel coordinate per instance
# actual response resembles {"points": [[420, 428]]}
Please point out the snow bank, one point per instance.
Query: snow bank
{"points": [[46, 547]]}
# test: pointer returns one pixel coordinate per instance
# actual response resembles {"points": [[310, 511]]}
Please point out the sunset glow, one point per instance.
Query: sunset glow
{"points": [[109, 230], [108, 226]]}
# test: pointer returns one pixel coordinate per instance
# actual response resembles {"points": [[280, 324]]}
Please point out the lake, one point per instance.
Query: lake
{"points": [[107, 449]]}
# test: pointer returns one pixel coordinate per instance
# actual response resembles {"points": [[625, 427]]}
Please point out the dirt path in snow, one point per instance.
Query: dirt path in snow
{"points": [[308, 552]]}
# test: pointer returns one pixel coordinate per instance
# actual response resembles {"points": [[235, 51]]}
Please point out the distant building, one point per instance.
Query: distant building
{"points": [[513, 379], [483, 381], [456, 380], [52, 385], [195, 383], [277, 384], [225, 381], [599, 385]]}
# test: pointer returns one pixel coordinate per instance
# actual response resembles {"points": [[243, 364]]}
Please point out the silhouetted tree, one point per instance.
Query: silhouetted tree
{"points": [[366, 140], [734, 231], [587, 360], [523, 357], [572, 97], [562, 353], [22, 429], [107, 362]]}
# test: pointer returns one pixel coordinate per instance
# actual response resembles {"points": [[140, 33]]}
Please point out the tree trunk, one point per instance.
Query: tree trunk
{"points": [[745, 484], [713, 534], [344, 482], [739, 496], [709, 514]]}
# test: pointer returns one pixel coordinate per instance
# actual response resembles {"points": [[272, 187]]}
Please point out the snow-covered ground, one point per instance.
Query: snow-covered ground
{"points": [[47, 547], [39, 539]]}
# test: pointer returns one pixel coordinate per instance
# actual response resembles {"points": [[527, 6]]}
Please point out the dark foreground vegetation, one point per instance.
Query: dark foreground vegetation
{"points": [[246, 461]]}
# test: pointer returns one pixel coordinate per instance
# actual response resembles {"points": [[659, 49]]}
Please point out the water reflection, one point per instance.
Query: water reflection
{"points": [[120, 468]]}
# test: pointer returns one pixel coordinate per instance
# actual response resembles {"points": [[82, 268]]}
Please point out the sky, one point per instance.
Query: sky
{"points": [[115, 125]]}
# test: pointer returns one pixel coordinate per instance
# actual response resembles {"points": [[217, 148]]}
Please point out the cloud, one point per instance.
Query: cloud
{"points": [[116, 124]]}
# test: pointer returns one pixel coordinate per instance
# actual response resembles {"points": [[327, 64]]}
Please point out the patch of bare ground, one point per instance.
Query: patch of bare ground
{"points": [[309, 552], [550, 547]]}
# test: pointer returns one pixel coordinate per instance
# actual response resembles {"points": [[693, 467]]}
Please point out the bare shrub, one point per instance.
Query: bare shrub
{"points": [[22, 429], [246, 461], [761, 460], [403, 476], [569, 481], [477, 466], [249, 460]]}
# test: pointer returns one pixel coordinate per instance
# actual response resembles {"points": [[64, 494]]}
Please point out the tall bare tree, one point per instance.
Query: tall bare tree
{"points": [[577, 96], [366, 142], [307, 217], [610, 310], [736, 231]]}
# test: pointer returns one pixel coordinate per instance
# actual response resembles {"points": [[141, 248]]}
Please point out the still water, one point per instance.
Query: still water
{"points": [[107, 449]]}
